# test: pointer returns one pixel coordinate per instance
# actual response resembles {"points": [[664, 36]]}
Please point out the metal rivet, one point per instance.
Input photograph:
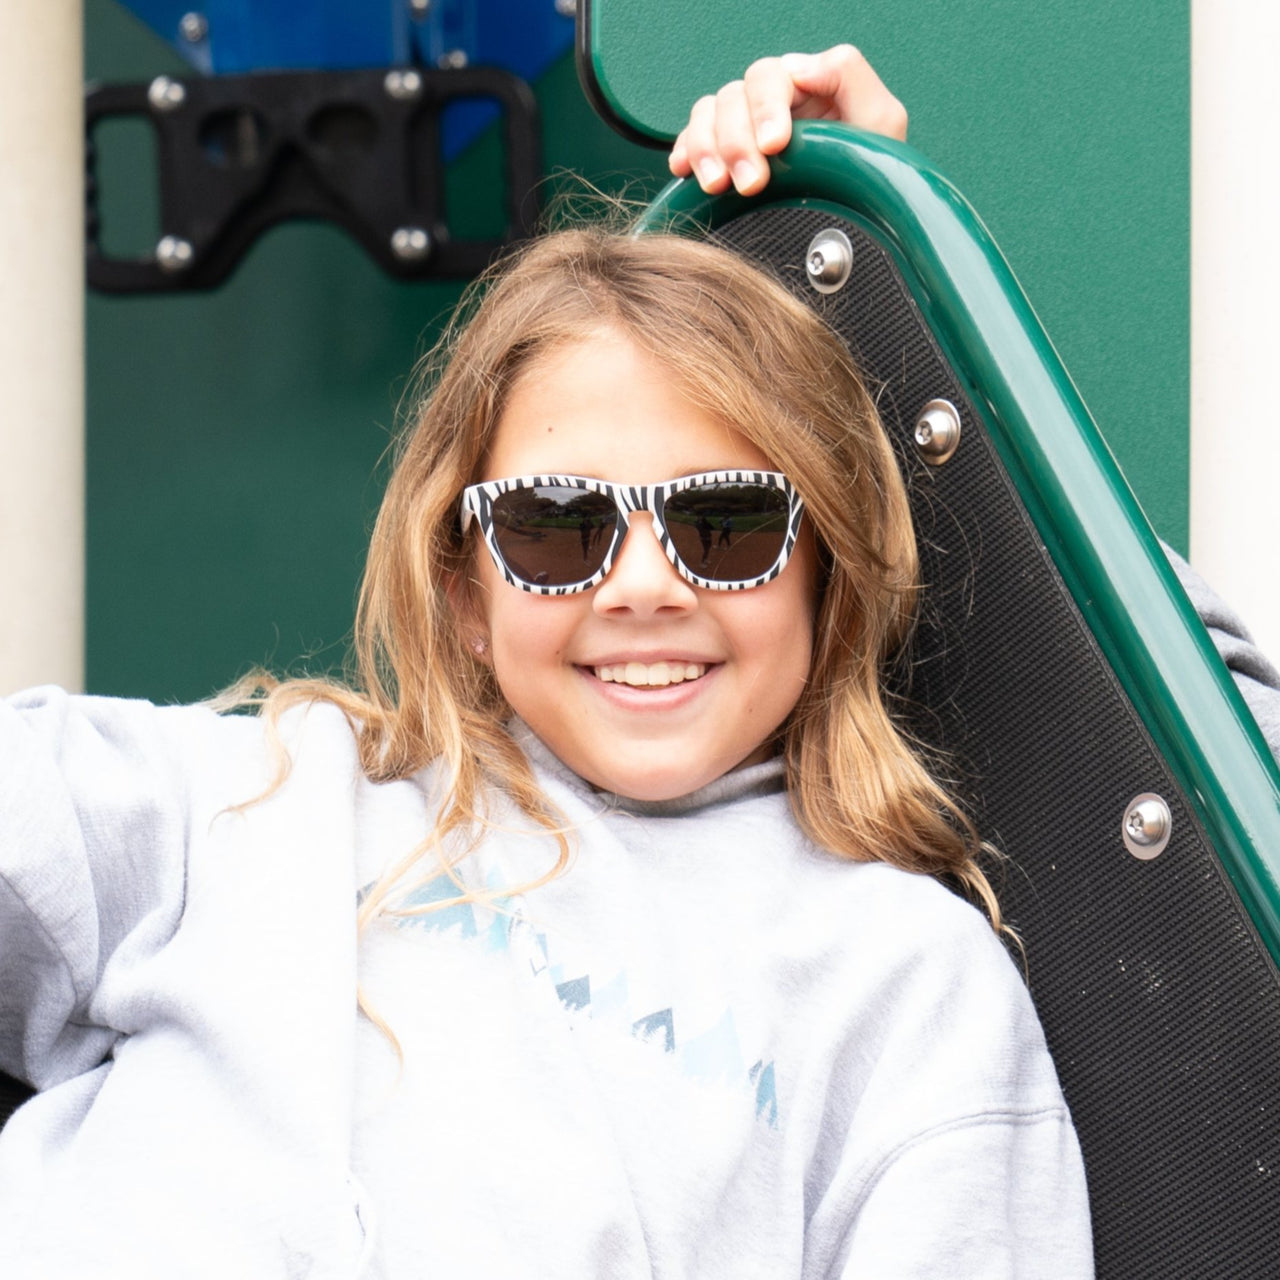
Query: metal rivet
{"points": [[419, 8], [937, 432], [165, 94], [1147, 826], [567, 8], [828, 260], [173, 254], [193, 27], [402, 85], [409, 244], [454, 60]]}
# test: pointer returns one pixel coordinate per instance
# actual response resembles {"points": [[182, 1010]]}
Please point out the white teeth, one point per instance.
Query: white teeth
{"points": [[647, 675]]}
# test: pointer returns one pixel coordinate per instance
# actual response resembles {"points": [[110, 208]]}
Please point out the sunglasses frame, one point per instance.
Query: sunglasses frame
{"points": [[478, 500]]}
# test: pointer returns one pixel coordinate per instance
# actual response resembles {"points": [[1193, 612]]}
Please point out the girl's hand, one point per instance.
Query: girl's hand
{"points": [[729, 134]]}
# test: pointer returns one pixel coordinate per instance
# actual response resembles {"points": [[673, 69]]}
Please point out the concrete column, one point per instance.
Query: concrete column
{"points": [[1235, 307], [41, 345]]}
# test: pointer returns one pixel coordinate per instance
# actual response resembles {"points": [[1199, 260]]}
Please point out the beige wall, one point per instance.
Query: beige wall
{"points": [[42, 352], [1235, 306]]}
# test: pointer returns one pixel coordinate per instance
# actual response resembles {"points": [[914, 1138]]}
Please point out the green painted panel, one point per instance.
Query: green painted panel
{"points": [[1066, 124], [234, 437]]}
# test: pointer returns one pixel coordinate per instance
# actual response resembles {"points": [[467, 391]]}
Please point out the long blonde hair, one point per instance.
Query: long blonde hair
{"points": [[741, 347]]}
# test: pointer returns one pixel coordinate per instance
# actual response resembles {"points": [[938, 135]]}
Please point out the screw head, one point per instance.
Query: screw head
{"points": [[829, 260], [173, 254], [402, 85], [165, 94], [1147, 826], [419, 8], [937, 432], [454, 60], [193, 27], [410, 244], [567, 8]]}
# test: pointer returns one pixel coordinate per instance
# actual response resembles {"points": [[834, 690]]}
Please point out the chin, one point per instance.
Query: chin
{"points": [[657, 785], [655, 791]]}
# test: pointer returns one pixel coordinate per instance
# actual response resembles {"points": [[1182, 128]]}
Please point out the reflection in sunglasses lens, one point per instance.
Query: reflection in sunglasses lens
{"points": [[553, 535], [726, 531]]}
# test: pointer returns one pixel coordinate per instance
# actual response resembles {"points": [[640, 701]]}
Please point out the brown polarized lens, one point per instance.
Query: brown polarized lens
{"points": [[553, 535], [728, 531]]}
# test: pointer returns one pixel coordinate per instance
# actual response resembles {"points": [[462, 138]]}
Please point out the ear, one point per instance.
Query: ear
{"points": [[465, 596]]}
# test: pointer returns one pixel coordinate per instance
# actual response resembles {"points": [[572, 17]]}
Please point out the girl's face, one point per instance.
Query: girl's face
{"points": [[604, 409]]}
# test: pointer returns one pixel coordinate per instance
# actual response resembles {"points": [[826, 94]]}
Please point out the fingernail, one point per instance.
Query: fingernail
{"points": [[768, 132], [710, 171], [745, 174]]}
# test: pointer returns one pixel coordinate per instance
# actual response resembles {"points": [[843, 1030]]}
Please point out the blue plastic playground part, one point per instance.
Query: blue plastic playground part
{"points": [[222, 37]]}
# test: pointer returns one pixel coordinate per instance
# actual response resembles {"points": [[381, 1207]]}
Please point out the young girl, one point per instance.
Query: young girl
{"points": [[597, 930]]}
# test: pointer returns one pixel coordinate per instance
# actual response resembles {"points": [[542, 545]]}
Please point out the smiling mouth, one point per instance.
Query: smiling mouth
{"points": [[646, 675]]}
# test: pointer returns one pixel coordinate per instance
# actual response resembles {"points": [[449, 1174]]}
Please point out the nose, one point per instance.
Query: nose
{"points": [[642, 580]]}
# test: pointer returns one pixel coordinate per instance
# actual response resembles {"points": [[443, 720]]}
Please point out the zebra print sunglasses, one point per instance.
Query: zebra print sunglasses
{"points": [[555, 535]]}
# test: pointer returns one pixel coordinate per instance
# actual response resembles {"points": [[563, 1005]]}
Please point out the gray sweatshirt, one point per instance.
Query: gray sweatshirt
{"points": [[709, 1049], [1255, 675]]}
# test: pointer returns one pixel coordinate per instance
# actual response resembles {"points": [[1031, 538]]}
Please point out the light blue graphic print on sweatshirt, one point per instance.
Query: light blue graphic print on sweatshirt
{"points": [[711, 1054]]}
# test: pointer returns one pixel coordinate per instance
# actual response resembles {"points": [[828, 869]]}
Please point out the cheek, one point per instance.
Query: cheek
{"points": [[528, 637], [528, 628], [794, 601], [507, 614], [775, 636], [798, 620], [813, 569], [795, 660]]}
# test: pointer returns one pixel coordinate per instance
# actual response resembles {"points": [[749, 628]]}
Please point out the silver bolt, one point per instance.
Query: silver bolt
{"points": [[419, 8], [173, 254], [165, 94], [566, 8], [1147, 822], [828, 260], [410, 244], [402, 85], [454, 60], [194, 27], [937, 433], [1147, 826]]}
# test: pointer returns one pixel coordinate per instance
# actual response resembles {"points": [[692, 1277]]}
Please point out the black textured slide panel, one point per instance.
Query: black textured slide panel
{"points": [[1160, 1003]]}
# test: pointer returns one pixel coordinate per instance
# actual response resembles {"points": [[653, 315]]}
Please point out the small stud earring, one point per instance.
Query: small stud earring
{"points": [[479, 646]]}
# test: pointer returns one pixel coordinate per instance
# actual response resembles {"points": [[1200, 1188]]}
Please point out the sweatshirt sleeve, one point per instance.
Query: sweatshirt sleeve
{"points": [[1255, 675], [92, 848]]}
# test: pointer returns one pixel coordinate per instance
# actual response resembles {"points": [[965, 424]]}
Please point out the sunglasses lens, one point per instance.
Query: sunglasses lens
{"points": [[728, 531], [553, 535]]}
